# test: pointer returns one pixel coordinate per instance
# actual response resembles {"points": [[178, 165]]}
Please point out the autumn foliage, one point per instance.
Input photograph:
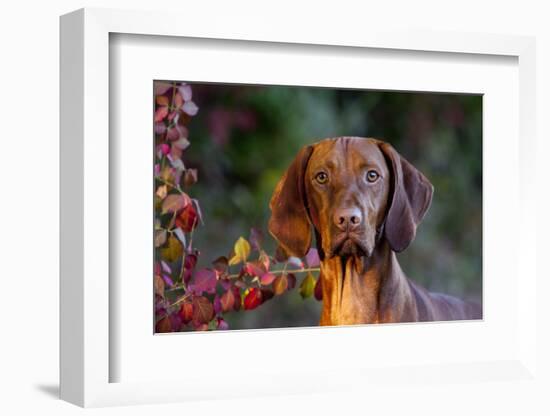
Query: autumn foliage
{"points": [[192, 298]]}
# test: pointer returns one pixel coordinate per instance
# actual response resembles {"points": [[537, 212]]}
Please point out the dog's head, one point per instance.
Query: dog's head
{"points": [[354, 192]]}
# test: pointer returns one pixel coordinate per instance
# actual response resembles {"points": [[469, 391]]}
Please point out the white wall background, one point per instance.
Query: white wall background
{"points": [[29, 101]]}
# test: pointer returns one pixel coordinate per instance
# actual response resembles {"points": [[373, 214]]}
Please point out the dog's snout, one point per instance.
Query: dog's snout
{"points": [[348, 219]]}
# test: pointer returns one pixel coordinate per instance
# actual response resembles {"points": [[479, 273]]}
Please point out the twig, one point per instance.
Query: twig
{"points": [[180, 300], [232, 276], [173, 185]]}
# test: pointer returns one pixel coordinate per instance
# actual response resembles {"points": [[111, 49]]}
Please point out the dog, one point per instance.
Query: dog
{"points": [[364, 202]]}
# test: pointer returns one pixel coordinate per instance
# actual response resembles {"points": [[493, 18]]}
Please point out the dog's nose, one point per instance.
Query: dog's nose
{"points": [[347, 219]]}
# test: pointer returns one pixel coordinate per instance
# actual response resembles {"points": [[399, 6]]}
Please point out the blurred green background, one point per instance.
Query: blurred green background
{"points": [[244, 137]]}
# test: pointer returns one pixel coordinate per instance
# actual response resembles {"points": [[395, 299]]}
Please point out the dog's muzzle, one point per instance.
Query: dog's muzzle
{"points": [[349, 244]]}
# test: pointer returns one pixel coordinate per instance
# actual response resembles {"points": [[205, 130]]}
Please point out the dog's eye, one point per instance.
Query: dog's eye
{"points": [[372, 176], [321, 177]]}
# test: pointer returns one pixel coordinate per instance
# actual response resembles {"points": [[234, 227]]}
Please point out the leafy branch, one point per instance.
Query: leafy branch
{"points": [[187, 298]]}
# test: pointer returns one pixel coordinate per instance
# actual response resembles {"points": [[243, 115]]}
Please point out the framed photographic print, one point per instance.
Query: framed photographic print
{"points": [[362, 200], [290, 196]]}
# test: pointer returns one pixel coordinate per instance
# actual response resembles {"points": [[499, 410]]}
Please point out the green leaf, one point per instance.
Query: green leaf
{"points": [[308, 285]]}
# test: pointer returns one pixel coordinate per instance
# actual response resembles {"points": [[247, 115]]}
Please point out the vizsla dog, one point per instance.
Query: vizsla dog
{"points": [[364, 202]]}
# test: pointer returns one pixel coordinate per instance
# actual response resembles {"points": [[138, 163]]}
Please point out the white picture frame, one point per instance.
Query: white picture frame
{"points": [[87, 357]]}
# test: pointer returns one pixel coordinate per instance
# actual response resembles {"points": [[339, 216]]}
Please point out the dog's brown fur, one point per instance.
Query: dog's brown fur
{"points": [[359, 225]]}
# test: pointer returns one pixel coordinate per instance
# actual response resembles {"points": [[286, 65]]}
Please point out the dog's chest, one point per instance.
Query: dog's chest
{"points": [[349, 293]]}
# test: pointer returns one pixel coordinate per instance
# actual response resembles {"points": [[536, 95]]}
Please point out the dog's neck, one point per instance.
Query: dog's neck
{"points": [[357, 290]]}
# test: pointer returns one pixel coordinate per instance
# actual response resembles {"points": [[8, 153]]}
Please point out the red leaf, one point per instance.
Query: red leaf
{"points": [[253, 299], [267, 278], [253, 269], [175, 202], [203, 311], [164, 325], [189, 266], [164, 148], [161, 114], [227, 300], [186, 312], [204, 281], [264, 259], [187, 220], [318, 291], [280, 284], [291, 281]]}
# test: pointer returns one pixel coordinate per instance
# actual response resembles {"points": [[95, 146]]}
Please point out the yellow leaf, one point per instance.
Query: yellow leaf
{"points": [[280, 284], [242, 251], [173, 250], [234, 260], [167, 174]]}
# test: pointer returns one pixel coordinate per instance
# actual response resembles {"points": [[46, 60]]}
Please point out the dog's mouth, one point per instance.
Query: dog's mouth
{"points": [[349, 244]]}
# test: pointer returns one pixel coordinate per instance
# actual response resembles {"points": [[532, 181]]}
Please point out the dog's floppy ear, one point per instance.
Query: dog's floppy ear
{"points": [[289, 223], [412, 196]]}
